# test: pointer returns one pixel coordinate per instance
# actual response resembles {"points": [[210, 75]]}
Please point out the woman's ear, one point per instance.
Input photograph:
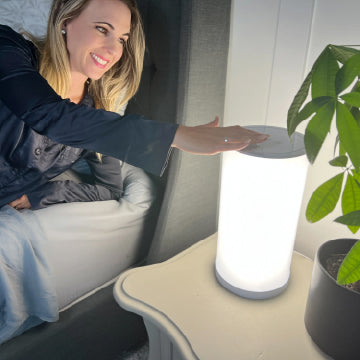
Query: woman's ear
{"points": [[63, 28]]}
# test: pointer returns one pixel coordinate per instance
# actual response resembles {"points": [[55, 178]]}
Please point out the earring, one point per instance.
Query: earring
{"points": [[63, 31]]}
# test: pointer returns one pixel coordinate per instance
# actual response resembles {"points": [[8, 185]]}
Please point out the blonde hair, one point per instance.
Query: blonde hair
{"points": [[121, 80]]}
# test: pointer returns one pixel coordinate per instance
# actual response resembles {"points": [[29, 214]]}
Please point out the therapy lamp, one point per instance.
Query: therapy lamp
{"points": [[260, 200]]}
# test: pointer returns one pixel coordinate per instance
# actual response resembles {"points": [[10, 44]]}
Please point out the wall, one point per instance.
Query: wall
{"points": [[273, 45]]}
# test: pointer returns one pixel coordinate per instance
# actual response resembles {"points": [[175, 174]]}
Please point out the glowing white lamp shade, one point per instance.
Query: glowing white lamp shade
{"points": [[260, 200]]}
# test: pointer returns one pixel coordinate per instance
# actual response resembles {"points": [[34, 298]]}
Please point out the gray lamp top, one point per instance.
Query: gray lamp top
{"points": [[278, 146]]}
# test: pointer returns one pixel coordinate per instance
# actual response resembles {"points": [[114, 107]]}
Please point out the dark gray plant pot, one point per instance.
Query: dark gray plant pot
{"points": [[332, 315]]}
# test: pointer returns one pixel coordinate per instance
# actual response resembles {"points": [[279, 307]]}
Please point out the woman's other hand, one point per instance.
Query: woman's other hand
{"points": [[21, 203], [211, 139]]}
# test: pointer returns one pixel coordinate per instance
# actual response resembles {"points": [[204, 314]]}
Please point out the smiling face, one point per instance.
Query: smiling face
{"points": [[96, 38]]}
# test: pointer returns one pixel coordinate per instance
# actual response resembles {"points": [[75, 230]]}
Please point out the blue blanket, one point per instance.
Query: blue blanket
{"points": [[27, 290]]}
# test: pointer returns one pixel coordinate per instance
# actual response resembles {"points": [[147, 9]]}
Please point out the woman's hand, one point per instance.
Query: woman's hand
{"points": [[21, 203], [211, 139]]}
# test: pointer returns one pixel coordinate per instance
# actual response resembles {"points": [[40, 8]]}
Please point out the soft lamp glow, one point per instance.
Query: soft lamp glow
{"points": [[260, 200]]}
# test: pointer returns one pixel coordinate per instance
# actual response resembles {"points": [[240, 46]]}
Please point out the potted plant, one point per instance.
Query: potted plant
{"points": [[331, 91]]}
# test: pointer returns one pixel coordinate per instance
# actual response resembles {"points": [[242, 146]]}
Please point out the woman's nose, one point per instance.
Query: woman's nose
{"points": [[114, 48]]}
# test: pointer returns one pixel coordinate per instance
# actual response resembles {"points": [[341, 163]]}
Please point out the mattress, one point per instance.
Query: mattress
{"points": [[90, 244]]}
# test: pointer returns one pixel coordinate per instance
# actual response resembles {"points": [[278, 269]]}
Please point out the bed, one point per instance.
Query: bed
{"points": [[91, 244]]}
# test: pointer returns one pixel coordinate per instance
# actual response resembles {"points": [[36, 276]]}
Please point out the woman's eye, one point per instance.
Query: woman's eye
{"points": [[101, 29], [122, 42]]}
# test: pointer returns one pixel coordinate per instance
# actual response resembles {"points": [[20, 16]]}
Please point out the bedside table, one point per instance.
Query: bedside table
{"points": [[189, 315]]}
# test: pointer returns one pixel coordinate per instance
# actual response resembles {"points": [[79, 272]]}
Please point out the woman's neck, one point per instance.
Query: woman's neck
{"points": [[78, 88]]}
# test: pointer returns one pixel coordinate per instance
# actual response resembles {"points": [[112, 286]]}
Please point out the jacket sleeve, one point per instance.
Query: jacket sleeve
{"points": [[106, 184], [55, 192], [138, 141], [106, 172]]}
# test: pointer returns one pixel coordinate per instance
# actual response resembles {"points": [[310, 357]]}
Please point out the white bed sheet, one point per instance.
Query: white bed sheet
{"points": [[91, 243]]}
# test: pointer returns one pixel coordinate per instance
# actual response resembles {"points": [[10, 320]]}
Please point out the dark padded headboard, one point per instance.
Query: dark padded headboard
{"points": [[184, 82], [188, 44], [157, 96]]}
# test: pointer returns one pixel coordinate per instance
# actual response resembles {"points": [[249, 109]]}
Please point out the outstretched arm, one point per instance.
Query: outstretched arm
{"points": [[211, 139]]}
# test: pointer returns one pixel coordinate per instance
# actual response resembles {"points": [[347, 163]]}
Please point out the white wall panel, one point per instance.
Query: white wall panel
{"points": [[334, 22], [253, 37], [292, 40], [273, 46]]}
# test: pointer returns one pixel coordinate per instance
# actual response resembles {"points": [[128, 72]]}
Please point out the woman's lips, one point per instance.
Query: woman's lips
{"points": [[99, 61]]}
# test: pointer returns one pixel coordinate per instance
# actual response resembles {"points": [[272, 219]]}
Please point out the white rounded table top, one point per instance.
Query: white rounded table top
{"points": [[184, 300]]}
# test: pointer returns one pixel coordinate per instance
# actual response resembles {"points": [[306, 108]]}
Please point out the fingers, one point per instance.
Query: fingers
{"points": [[240, 138], [235, 146], [237, 135], [21, 203], [15, 205], [259, 138], [214, 123], [256, 137]]}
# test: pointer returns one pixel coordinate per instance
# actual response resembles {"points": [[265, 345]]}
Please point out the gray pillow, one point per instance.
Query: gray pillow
{"points": [[28, 15]]}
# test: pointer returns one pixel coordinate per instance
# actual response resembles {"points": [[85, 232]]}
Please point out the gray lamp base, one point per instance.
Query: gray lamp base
{"points": [[255, 295]]}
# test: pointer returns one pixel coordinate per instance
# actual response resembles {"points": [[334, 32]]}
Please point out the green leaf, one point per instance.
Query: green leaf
{"points": [[356, 87], [351, 198], [324, 73], [354, 109], [342, 53], [349, 133], [349, 271], [317, 129], [352, 98], [308, 110], [356, 114], [342, 150], [347, 74], [297, 103], [350, 219], [324, 199], [340, 161]]}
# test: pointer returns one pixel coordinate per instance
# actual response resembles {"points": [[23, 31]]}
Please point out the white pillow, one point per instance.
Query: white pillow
{"points": [[29, 15]]}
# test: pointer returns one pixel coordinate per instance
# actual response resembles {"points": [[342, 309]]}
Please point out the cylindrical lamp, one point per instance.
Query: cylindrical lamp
{"points": [[260, 200]]}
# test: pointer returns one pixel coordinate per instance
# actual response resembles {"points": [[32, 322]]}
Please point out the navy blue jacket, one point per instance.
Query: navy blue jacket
{"points": [[94, 180], [32, 114], [101, 181]]}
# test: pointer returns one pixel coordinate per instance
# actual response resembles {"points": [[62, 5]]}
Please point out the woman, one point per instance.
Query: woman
{"points": [[93, 48]]}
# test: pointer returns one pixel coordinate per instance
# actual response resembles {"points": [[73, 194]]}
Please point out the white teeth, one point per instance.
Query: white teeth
{"points": [[100, 61]]}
